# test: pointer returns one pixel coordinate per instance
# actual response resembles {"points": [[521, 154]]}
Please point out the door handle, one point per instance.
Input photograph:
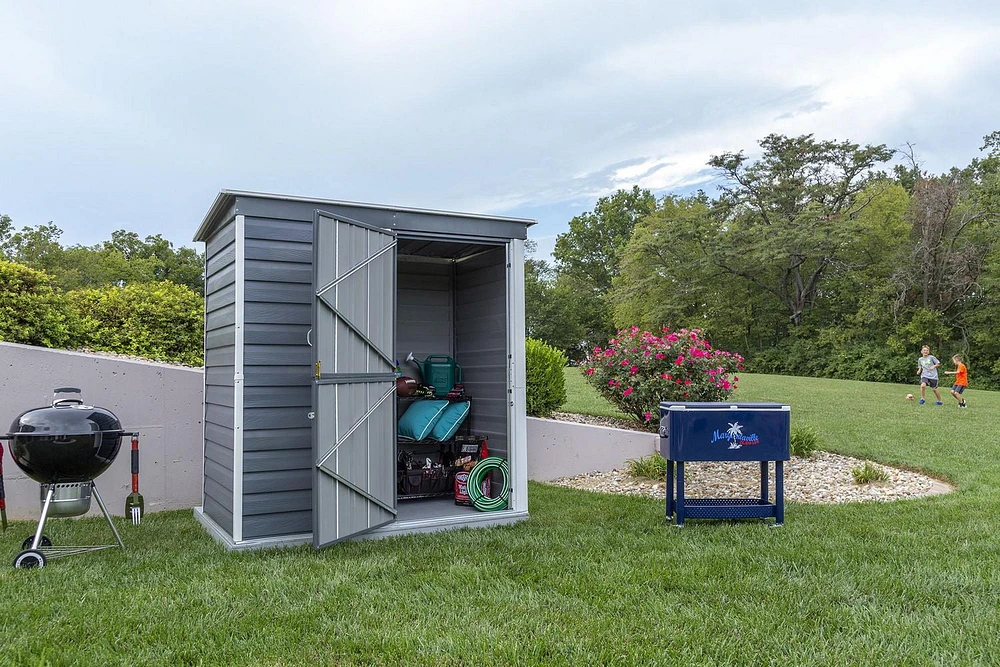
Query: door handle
{"points": [[308, 338]]}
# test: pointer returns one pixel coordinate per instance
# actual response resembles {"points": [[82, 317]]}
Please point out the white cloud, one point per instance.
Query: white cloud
{"points": [[140, 113]]}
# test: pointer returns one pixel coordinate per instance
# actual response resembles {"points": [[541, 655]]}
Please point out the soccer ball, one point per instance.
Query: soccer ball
{"points": [[909, 397]]}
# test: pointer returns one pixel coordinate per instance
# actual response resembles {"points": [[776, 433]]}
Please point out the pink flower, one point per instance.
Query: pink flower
{"points": [[664, 376], [633, 370], [590, 371], [725, 384], [627, 391], [646, 353], [679, 360], [735, 379], [608, 353], [612, 383], [687, 381], [668, 376], [648, 416]]}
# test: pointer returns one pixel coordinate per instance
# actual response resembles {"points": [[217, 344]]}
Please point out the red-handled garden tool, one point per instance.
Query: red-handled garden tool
{"points": [[3, 497], [134, 506]]}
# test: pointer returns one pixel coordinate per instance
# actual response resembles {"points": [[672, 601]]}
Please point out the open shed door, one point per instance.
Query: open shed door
{"points": [[354, 428]]}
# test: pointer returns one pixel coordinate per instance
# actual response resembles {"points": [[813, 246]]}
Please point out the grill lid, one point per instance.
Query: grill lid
{"points": [[68, 415]]}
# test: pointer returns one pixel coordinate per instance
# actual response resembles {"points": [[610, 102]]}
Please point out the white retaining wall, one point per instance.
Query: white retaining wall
{"points": [[562, 449], [162, 402]]}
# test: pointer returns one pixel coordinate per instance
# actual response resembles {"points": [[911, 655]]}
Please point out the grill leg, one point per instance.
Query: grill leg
{"points": [[106, 515], [45, 514]]}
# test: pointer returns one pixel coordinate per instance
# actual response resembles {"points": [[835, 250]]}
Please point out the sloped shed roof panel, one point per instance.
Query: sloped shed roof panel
{"points": [[265, 205]]}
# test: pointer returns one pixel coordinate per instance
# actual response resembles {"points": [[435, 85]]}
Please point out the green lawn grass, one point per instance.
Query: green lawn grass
{"points": [[583, 399], [590, 579]]}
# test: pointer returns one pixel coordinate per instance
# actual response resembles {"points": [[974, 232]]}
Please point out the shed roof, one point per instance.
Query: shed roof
{"points": [[226, 199]]}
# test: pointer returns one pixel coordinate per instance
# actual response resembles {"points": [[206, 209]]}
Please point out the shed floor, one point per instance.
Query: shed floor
{"points": [[431, 508]]}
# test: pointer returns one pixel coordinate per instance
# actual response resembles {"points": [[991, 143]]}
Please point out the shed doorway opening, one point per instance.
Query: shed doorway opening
{"points": [[452, 301]]}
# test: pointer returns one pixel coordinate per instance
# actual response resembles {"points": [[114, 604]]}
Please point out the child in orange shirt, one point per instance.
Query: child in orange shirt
{"points": [[961, 374]]}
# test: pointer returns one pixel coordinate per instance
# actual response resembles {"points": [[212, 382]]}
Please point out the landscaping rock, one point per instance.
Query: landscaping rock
{"points": [[821, 478]]}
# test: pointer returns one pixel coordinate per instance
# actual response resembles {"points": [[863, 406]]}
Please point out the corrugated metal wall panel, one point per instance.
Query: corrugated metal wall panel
{"points": [[278, 459], [284, 438], [220, 339], [289, 272], [222, 317], [423, 311], [277, 397], [271, 418], [278, 375], [481, 342], [280, 480], [276, 334], [218, 513], [278, 502], [220, 376], [286, 523], [219, 454]]}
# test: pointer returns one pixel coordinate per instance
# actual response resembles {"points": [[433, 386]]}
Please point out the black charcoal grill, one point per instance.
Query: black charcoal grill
{"points": [[64, 447]]}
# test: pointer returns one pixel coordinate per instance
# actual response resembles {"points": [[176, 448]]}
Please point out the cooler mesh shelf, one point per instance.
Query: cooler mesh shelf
{"points": [[727, 508]]}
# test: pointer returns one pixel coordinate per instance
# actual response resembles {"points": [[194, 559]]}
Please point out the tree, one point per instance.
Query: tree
{"points": [[784, 219], [587, 258], [124, 259], [37, 247], [551, 311]]}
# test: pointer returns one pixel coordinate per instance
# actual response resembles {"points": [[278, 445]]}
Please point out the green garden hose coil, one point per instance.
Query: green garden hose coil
{"points": [[475, 485]]}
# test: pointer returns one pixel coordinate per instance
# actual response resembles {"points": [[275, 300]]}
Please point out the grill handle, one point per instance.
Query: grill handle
{"points": [[66, 390]]}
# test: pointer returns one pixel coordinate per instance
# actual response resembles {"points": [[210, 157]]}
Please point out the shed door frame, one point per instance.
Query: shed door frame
{"points": [[354, 411]]}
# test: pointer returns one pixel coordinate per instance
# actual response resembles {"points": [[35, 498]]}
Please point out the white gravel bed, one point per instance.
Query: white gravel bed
{"points": [[821, 478]]}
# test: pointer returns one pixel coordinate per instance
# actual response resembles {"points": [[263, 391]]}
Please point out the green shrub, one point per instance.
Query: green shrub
{"points": [[32, 312], [639, 369], [653, 466], [869, 473], [546, 385], [805, 441], [162, 321]]}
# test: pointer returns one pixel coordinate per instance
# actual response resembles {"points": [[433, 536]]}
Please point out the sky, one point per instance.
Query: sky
{"points": [[126, 115]]}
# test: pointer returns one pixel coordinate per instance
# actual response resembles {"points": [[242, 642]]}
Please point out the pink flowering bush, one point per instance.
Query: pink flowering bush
{"points": [[639, 369]]}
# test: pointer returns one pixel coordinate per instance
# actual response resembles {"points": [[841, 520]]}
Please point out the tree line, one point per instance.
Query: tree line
{"points": [[126, 295], [821, 258]]}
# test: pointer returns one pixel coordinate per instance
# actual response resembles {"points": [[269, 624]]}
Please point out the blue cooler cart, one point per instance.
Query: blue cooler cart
{"points": [[725, 432]]}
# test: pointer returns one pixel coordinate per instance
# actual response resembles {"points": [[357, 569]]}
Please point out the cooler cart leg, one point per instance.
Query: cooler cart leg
{"points": [[680, 494], [670, 488], [779, 493], [763, 482]]}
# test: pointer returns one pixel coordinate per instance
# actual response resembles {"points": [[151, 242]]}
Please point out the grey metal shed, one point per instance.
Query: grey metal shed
{"points": [[308, 304]]}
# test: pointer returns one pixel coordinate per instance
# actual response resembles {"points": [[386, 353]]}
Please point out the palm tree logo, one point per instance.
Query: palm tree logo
{"points": [[734, 431]]}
